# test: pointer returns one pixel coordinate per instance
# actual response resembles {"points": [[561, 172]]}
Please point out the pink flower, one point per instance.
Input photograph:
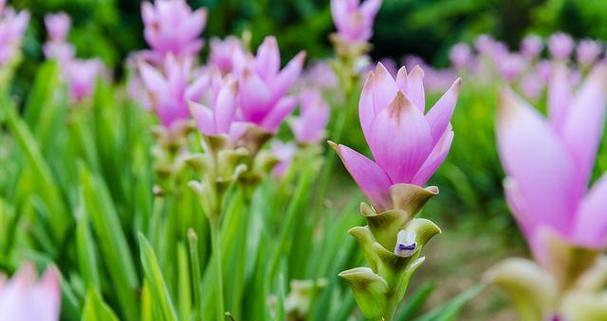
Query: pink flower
{"points": [[511, 66], [407, 145], [24, 298], [588, 51], [263, 86], [62, 51], [170, 26], [81, 76], [58, 26], [170, 90], [217, 116], [320, 75], [460, 56], [309, 127], [560, 46], [532, 85], [549, 165], [532, 46], [285, 153], [12, 28], [223, 53], [353, 20]]}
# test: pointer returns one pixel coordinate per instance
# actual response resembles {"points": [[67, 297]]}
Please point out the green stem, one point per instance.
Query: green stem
{"points": [[215, 240]]}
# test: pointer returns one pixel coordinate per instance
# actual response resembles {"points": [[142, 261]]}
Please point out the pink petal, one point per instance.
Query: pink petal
{"points": [[400, 139], [254, 97], [369, 8], [267, 62], [371, 179], [283, 108], [536, 160], [384, 88], [401, 79], [152, 78], [196, 89], [584, 124], [366, 110], [415, 88], [559, 96], [591, 225], [440, 114], [435, 159], [288, 76], [204, 118], [225, 108]]}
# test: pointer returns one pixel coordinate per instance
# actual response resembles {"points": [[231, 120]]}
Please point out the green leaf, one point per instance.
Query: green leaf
{"points": [[449, 310], [96, 310], [153, 275]]}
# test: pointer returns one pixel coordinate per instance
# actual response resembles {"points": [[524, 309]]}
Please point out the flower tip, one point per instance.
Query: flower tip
{"points": [[417, 70], [457, 84], [333, 145]]}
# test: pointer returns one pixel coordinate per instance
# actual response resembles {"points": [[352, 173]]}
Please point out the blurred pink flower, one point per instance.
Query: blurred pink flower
{"points": [[353, 20], [263, 86], [24, 298], [532, 85], [320, 75], [285, 153], [217, 116], [170, 89], [62, 51], [57, 26], [460, 56], [511, 66], [560, 46], [170, 26], [532, 46], [81, 76], [12, 28], [407, 145], [549, 165], [223, 53], [544, 70], [309, 127], [588, 51]]}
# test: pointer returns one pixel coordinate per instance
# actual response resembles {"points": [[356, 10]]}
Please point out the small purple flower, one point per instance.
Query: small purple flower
{"points": [[532, 46], [223, 53], [560, 46], [81, 76], [588, 51], [263, 86], [170, 90], [12, 28], [58, 26], [353, 20], [309, 127], [25, 298], [170, 26], [549, 164], [460, 56], [407, 143]]}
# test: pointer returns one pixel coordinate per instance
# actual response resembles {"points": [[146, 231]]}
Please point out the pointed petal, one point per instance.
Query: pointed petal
{"points": [[204, 118], [401, 79], [400, 139], [254, 97], [267, 61], [435, 159], [371, 179], [288, 76], [370, 8], [585, 121], [440, 114], [415, 88], [152, 78], [384, 88], [559, 96], [366, 111], [283, 108], [591, 225], [536, 160], [225, 108]]}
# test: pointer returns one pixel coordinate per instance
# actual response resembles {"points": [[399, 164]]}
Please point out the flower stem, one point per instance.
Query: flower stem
{"points": [[215, 240]]}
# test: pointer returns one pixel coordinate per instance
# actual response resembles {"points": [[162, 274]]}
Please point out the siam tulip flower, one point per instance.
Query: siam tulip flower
{"points": [[511, 66], [588, 51], [24, 298], [408, 145], [171, 27], [544, 70], [309, 127], [460, 56], [353, 20], [531, 46], [560, 46], [217, 116], [223, 53], [12, 28], [532, 85], [170, 90], [549, 165], [58, 26], [263, 87], [81, 77], [284, 152]]}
